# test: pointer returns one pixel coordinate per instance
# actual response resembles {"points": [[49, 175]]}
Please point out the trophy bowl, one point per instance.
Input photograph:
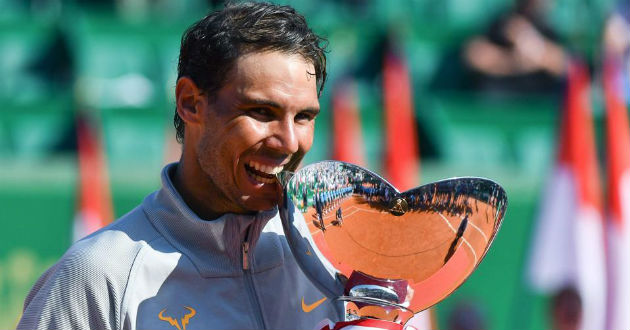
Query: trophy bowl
{"points": [[387, 254]]}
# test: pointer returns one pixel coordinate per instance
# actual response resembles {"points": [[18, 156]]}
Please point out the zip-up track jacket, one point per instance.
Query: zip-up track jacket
{"points": [[162, 267]]}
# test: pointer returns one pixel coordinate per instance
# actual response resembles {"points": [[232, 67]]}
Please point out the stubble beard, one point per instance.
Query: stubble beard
{"points": [[217, 177]]}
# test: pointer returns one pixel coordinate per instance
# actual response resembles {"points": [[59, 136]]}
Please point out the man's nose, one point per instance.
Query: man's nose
{"points": [[284, 137]]}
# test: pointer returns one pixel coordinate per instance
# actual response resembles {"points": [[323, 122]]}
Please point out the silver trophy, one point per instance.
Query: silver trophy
{"points": [[387, 254]]}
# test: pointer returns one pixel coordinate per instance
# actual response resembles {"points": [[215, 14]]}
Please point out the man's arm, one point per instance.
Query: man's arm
{"points": [[75, 293]]}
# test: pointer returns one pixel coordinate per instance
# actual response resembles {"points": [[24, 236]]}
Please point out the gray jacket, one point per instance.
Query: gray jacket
{"points": [[162, 267]]}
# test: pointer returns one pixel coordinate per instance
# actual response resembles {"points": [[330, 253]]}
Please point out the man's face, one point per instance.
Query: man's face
{"points": [[260, 122]]}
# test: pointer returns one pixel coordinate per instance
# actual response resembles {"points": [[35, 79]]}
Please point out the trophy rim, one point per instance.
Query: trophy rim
{"points": [[390, 184]]}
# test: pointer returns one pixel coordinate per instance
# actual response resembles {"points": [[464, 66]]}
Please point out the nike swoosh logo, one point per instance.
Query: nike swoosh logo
{"points": [[308, 308]]}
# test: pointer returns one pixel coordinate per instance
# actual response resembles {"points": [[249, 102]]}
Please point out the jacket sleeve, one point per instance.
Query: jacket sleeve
{"points": [[75, 293]]}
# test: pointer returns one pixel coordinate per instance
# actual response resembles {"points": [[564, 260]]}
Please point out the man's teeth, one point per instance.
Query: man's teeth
{"points": [[261, 179], [265, 168]]}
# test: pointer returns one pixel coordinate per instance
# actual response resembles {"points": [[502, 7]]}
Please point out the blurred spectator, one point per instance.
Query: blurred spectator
{"points": [[617, 32], [100, 3], [55, 64], [566, 309], [466, 315], [519, 53], [617, 42]]}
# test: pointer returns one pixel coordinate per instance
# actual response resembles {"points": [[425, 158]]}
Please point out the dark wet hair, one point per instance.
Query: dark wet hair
{"points": [[210, 47]]}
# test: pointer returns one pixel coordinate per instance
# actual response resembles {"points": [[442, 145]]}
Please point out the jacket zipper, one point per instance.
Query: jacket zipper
{"points": [[245, 255], [249, 282]]}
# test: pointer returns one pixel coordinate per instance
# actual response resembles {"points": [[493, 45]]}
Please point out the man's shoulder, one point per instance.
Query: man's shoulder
{"points": [[86, 286], [117, 243], [110, 251], [101, 259]]}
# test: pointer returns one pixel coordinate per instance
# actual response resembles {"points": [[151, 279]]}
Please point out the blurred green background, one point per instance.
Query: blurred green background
{"points": [[115, 62]]}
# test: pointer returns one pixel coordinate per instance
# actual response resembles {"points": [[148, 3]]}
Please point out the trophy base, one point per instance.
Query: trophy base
{"points": [[362, 308], [370, 297], [364, 324]]}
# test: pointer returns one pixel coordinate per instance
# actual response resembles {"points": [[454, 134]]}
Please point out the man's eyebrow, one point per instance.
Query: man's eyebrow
{"points": [[253, 101], [315, 111]]}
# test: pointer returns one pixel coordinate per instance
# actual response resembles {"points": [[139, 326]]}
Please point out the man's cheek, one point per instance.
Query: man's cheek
{"points": [[240, 138], [250, 128]]}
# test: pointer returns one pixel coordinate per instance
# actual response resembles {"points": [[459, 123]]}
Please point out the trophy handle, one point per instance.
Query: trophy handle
{"points": [[315, 266], [284, 177]]}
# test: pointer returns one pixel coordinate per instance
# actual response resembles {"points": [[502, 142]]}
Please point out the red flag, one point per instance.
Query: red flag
{"points": [[402, 161], [568, 247], [95, 207], [618, 235], [424, 320], [347, 138]]}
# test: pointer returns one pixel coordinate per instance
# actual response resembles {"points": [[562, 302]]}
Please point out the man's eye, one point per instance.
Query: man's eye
{"points": [[260, 112], [305, 116]]}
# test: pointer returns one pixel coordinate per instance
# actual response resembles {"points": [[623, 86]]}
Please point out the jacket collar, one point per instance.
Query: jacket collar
{"points": [[214, 246]]}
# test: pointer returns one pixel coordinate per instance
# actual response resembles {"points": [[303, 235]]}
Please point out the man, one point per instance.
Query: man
{"points": [[207, 250], [339, 219]]}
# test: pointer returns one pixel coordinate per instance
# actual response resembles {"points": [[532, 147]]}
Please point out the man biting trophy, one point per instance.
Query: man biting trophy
{"points": [[395, 253]]}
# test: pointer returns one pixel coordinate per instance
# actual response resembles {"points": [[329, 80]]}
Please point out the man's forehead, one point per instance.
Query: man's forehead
{"points": [[274, 75], [274, 64]]}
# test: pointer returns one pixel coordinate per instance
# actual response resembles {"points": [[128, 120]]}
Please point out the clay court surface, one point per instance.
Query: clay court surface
{"points": [[376, 242]]}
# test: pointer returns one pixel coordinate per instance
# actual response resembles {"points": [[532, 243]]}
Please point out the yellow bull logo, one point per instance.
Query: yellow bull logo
{"points": [[174, 322]]}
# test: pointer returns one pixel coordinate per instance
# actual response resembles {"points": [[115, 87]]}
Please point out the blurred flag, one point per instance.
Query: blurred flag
{"points": [[424, 320], [618, 233], [568, 246], [402, 161], [94, 209], [347, 139]]}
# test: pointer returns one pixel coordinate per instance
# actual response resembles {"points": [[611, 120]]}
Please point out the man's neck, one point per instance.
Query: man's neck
{"points": [[191, 183]]}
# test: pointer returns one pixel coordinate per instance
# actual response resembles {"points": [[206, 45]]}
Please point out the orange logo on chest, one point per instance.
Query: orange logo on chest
{"points": [[308, 308], [174, 322]]}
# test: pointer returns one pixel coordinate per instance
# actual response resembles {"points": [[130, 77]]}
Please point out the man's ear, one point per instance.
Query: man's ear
{"points": [[190, 100]]}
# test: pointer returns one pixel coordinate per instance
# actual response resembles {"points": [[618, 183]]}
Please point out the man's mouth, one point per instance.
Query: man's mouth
{"points": [[262, 173]]}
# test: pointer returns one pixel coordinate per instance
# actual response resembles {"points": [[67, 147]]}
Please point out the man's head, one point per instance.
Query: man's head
{"points": [[247, 95], [210, 47]]}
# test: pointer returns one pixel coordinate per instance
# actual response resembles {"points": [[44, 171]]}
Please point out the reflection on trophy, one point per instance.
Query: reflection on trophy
{"points": [[387, 254]]}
